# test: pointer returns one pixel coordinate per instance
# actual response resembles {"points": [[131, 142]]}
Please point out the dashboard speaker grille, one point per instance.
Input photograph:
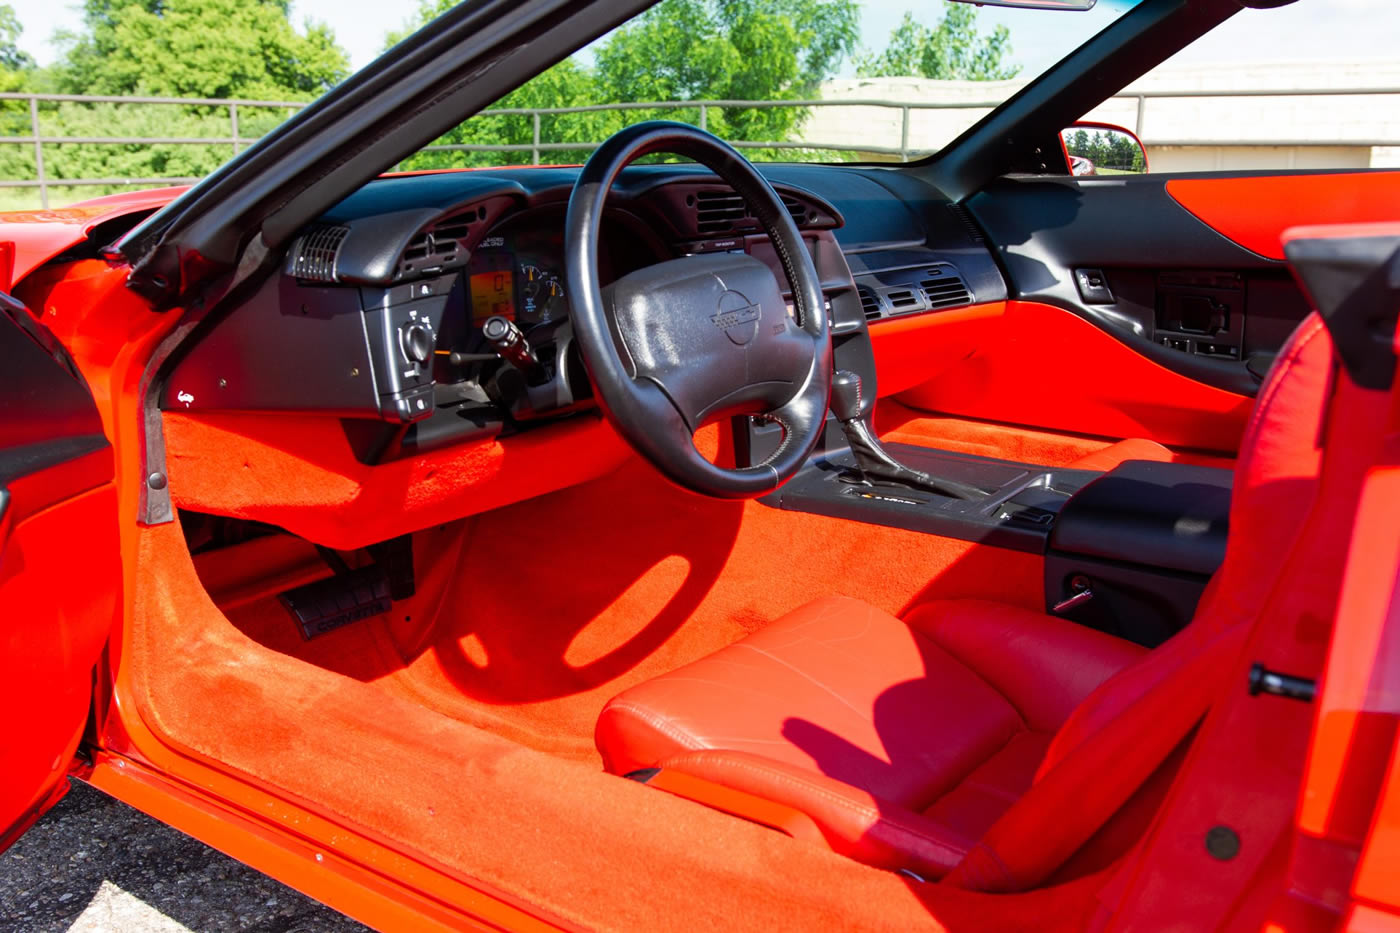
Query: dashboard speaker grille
{"points": [[316, 252], [968, 223]]}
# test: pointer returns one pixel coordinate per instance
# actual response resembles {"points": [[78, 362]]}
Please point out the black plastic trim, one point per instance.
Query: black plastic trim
{"points": [[1355, 284], [1169, 515], [1016, 514]]}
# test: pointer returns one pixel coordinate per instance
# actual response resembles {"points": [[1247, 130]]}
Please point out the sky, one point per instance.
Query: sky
{"points": [[1308, 29]]}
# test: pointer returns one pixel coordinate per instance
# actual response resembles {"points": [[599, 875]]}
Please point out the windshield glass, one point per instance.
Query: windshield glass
{"points": [[784, 80]]}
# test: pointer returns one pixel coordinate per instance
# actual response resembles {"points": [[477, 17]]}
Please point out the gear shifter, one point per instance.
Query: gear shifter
{"points": [[873, 462]]}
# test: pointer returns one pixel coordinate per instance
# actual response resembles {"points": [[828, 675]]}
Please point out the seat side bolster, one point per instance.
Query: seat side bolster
{"points": [[624, 726], [853, 822], [1034, 837], [1043, 665]]}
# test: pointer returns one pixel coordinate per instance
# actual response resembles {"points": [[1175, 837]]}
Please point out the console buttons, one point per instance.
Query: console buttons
{"points": [[1093, 286], [412, 405], [417, 341], [1218, 349]]}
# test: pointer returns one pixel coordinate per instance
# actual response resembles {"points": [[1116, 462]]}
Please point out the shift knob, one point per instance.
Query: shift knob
{"points": [[845, 395]]}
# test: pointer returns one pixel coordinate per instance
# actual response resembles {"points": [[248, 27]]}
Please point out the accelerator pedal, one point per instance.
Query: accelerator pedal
{"points": [[347, 597], [353, 593]]}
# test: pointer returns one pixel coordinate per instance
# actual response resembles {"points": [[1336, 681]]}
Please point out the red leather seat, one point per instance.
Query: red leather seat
{"points": [[993, 746]]}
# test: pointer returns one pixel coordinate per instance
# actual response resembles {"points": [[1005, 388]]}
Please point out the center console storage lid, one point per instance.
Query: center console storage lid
{"points": [[1169, 515]]}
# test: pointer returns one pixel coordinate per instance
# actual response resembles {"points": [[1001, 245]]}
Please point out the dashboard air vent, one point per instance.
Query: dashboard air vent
{"points": [[869, 302], [438, 244], [968, 223], [796, 208], [717, 211], [314, 257], [903, 300], [944, 289], [722, 210]]}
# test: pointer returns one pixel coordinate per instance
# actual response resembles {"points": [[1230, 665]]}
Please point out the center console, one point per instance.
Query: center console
{"points": [[1128, 552]]}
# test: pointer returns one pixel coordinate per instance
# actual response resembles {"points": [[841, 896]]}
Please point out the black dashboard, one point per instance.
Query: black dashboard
{"points": [[425, 310]]}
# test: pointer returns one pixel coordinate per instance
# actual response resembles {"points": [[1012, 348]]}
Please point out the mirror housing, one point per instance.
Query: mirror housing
{"points": [[1103, 149]]}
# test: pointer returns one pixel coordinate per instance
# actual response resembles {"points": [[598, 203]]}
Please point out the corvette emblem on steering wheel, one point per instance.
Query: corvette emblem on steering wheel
{"points": [[737, 317]]}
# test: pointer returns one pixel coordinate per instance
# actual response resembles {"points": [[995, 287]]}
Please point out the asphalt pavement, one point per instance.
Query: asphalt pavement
{"points": [[95, 864]]}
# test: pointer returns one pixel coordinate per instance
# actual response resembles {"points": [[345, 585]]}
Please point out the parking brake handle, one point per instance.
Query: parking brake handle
{"points": [[873, 462]]}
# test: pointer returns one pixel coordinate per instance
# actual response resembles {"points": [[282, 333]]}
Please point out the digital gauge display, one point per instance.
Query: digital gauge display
{"points": [[518, 277], [493, 290]]}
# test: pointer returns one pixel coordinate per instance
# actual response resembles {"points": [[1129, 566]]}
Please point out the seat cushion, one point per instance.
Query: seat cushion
{"points": [[959, 701], [1134, 448]]}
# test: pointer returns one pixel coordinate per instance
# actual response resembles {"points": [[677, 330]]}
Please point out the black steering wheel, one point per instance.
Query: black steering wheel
{"points": [[686, 342]]}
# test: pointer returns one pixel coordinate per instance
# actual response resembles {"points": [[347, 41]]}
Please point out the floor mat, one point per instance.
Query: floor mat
{"points": [[529, 618]]}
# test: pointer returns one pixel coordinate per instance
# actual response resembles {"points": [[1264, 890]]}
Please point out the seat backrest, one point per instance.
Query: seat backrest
{"points": [[1124, 731]]}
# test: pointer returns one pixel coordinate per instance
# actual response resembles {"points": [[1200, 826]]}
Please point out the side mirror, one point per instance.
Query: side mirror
{"points": [[1103, 149]]}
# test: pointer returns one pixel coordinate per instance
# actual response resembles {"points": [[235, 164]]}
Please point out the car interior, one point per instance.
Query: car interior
{"points": [[807, 544]]}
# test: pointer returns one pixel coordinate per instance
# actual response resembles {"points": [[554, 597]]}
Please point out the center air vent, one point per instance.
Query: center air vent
{"points": [[944, 289], [903, 300], [314, 257], [911, 291], [722, 210]]}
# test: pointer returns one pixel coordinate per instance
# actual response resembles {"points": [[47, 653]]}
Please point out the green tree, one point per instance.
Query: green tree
{"points": [[199, 48], [677, 50], [16, 74], [12, 58], [953, 48], [731, 50]]}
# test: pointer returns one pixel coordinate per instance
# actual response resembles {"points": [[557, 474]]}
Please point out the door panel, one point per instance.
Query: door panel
{"points": [[1130, 316], [1254, 210], [59, 563], [1041, 365]]}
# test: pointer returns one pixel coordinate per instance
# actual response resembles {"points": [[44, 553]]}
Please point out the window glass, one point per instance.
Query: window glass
{"points": [[795, 80], [1286, 88]]}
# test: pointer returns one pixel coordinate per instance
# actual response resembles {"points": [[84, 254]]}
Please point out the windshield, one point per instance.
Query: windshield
{"points": [[783, 80]]}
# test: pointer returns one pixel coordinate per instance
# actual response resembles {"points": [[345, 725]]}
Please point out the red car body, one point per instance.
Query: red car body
{"points": [[127, 673]]}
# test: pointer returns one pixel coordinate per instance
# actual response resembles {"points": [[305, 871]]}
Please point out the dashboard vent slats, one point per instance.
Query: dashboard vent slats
{"points": [[944, 289], [316, 252], [869, 302], [438, 244], [796, 208], [893, 292], [722, 210], [717, 211], [902, 300]]}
